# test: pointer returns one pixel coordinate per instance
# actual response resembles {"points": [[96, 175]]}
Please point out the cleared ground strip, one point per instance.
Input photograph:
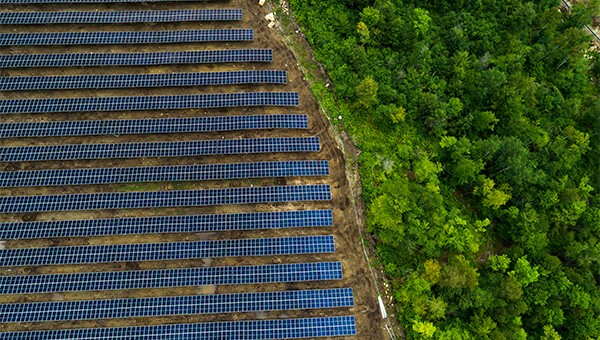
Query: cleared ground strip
{"points": [[177, 305], [167, 224], [113, 81], [143, 126], [166, 251], [199, 101], [225, 330], [163, 278], [114, 17], [136, 59]]}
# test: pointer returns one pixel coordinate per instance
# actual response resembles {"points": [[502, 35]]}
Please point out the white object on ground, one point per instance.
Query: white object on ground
{"points": [[382, 307]]}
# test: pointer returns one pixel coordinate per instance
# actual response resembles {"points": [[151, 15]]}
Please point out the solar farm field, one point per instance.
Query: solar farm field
{"points": [[166, 173]]}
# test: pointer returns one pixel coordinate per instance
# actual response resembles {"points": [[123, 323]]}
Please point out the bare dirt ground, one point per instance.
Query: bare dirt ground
{"points": [[345, 230]]}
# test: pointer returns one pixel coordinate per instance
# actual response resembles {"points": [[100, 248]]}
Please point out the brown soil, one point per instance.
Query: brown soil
{"points": [[348, 246]]}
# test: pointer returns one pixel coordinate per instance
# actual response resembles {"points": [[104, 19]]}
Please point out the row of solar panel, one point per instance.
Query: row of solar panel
{"points": [[198, 101], [135, 59], [198, 172], [113, 81], [166, 251], [165, 278], [176, 198], [145, 126], [126, 37], [158, 149], [114, 17], [225, 330], [176, 305], [16, 2], [166, 224]]}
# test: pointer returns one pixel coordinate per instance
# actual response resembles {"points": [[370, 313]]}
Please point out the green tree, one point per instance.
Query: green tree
{"points": [[524, 273], [499, 263], [459, 273], [424, 328], [366, 91]]}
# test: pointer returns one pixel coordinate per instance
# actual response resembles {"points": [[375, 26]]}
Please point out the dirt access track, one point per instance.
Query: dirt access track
{"points": [[346, 232]]}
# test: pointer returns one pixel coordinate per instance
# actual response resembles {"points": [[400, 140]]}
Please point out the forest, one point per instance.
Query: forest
{"points": [[478, 123]]}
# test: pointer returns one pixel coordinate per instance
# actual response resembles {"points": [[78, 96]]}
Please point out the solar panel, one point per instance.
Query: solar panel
{"points": [[91, 1], [158, 149], [198, 101], [166, 251], [126, 37], [163, 278], [110, 81], [135, 59], [113, 17], [145, 126], [167, 224], [197, 172], [225, 330], [176, 305], [175, 198]]}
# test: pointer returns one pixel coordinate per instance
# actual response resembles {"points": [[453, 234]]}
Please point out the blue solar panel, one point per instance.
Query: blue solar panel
{"points": [[199, 172], [204, 101], [90, 1], [135, 59], [227, 330], [176, 198], [163, 278], [176, 305], [159, 149], [110, 81], [167, 224], [144, 126], [125, 37], [113, 17], [166, 251]]}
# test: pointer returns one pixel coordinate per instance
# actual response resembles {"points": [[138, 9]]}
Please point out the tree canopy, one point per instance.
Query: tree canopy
{"points": [[479, 126]]}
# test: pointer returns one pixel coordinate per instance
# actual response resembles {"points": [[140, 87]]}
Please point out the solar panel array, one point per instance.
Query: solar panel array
{"points": [[240, 250], [135, 59], [155, 199], [166, 251], [198, 101], [158, 149], [114, 17], [227, 330], [199, 172], [176, 305], [125, 37], [167, 224], [163, 278], [144, 126], [141, 80]]}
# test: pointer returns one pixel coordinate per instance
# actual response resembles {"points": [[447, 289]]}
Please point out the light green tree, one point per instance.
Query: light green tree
{"points": [[366, 91], [425, 328]]}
